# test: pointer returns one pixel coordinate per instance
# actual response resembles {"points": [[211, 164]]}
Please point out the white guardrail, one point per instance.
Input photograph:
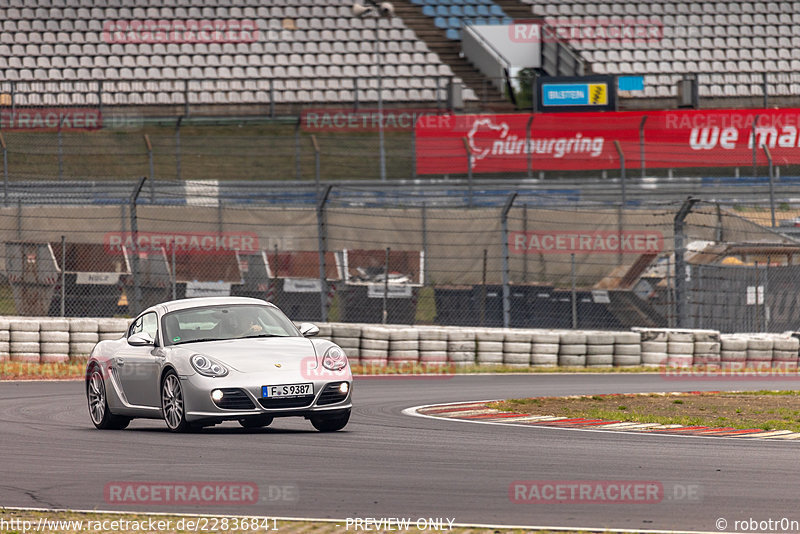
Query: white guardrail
{"points": [[56, 340]]}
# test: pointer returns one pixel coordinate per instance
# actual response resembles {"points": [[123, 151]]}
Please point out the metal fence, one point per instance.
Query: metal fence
{"points": [[278, 96], [400, 258], [230, 150]]}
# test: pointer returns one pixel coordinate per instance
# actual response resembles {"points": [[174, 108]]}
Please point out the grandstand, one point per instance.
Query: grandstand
{"points": [[732, 44], [75, 53], [316, 52]]}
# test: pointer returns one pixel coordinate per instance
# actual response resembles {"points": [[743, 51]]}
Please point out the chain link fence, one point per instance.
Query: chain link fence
{"points": [[243, 149], [402, 258]]}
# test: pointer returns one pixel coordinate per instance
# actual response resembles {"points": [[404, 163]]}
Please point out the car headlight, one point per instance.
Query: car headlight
{"points": [[334, 359], [207, 367]]}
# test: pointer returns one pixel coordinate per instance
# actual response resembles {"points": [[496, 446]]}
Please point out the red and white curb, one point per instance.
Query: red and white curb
{"points": [[479, 412]]}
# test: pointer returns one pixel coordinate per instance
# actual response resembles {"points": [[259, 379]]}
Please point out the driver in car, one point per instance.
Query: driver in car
{"points": [[241, 326]]}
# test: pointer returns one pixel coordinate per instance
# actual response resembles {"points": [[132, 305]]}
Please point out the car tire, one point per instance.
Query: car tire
{"points": [[173, 406], [331, 423], [101, 416], [255, 422]]}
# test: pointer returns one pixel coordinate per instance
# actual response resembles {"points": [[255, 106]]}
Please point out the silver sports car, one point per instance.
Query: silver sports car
{"points": [[198, 362]]}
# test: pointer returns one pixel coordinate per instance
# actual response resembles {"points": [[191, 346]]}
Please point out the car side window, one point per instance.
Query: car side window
{"points": [[147, 323]]}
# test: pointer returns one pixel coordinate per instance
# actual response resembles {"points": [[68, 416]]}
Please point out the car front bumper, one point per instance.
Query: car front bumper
{"points": [[200, 406]]}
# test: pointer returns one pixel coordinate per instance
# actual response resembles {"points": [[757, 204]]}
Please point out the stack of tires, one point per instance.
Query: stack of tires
{"points": [[627, 349], [54, 340], [374, 345], [83, 336], [461, 347], [733, 351], [707, 349], [785, 353], [759, 352], [5, 337], [111, 328], [544, 349], [599, 349], [432, 346], [24, 340], [572, 349], [489, 343], [348, 336], [680, 349], [403, 347], [654, 347], [517, 348]]}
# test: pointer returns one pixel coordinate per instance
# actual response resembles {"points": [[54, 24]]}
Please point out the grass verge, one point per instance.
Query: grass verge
{"points": [[767, 410], [65, 522]]}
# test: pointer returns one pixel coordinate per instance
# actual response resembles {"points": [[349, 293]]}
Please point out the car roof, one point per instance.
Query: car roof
{"points": [[182, 304]]}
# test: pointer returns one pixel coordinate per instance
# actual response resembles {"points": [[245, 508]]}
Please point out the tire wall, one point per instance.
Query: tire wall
{"points": [[57, 340]]}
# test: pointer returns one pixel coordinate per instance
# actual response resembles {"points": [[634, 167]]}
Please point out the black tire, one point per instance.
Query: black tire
{"points": [[331, 423], [173, 406], [256, 422], [99, 413]]}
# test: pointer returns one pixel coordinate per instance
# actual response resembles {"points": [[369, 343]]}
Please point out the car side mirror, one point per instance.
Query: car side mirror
{"points": [[308, 329], [141, 339]]}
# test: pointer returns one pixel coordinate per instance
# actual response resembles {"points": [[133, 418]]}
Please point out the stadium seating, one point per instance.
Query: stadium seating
{"points": [[731, 45], [451, 15], [304, 52]]}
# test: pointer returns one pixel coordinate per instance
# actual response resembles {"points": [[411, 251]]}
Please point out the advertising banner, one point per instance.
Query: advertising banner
{"points": [[585, 141]]}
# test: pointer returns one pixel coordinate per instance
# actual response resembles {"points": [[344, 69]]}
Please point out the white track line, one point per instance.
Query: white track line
{"points": [[328, 520]]}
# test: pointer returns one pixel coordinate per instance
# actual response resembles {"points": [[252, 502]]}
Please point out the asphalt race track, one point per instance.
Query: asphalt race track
{"points": [[386, 464]]}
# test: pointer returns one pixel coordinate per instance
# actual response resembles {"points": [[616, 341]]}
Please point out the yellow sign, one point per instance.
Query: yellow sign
{"points": [[598, 94]]}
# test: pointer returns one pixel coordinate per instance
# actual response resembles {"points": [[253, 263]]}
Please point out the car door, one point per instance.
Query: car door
{"points": [[138, 366]]}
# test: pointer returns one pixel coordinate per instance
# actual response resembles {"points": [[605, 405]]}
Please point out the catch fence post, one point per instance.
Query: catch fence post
{"points": [[323, 243], [771, 183], [680, 265], [506, 289], [5, 169], [137, 289]]}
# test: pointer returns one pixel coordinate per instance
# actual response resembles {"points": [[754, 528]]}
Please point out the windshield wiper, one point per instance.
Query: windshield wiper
{"points": [[262, 335], [201, 340]]}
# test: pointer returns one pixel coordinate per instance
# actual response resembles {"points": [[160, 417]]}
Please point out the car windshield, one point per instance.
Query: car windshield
{"points": [[233, 321]]}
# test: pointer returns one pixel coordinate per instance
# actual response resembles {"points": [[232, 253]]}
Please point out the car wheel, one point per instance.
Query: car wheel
{"points": [[331, 423], [172, 405], [98, 404], [255, 422]]}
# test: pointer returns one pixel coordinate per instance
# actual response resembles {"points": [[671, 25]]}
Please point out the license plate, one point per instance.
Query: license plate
{"points": [[287, 390]]}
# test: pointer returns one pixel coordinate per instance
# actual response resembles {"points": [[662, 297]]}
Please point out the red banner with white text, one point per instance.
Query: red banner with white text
{"points": [[586, 141]]}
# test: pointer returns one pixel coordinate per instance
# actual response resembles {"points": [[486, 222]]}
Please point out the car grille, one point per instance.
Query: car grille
{"points": [[291, 402], [331, 394], [234, 399]]}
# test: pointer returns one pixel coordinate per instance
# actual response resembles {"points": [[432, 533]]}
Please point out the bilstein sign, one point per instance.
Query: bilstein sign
{"points": [[586, 242]]}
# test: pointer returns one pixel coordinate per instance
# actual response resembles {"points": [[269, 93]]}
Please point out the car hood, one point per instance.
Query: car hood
{"points": [[259, 354]]}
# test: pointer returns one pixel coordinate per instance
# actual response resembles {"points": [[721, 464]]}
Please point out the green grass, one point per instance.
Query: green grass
{"points": [[170, 522], [699, 409], [244, 151]]}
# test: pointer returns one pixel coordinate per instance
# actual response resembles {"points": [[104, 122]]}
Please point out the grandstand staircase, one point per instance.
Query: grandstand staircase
{"points": [[449, 52]]}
